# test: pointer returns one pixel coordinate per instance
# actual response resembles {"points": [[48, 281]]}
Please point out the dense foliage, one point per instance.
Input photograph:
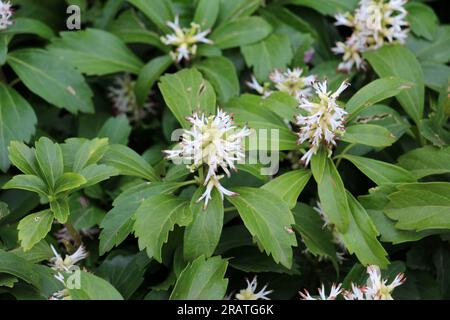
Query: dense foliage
{"points": [[173, 149]]}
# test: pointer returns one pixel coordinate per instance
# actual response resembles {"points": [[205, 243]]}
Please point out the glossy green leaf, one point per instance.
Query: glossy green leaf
{"points": [[202, 279], [426, 161], [33, 228], [369, 135], [288, 186], [13, 110], [269, 220], [158, 11], [202, 235], [46, 75], [380, 172]]}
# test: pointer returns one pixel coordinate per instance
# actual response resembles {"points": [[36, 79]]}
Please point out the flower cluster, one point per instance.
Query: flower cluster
{"points": [[289, 81], [185, 39], [334, 293], [68, 264], [374, 23], [6, 13], [213, 141], [323, 121], [65, 268], [124, 99], [250, 293], [376, 288]]}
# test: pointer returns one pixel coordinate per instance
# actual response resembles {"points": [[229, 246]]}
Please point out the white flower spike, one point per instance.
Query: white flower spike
{"points": [[250, 293], [124, 99], [6, 13], [334, 293], [213, 141], [293, 83], [374, 23], [324, 121], [185, 39], [68, 264]]}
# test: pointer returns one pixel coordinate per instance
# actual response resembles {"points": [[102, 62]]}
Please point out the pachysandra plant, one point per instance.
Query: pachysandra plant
{"points": [[212, 149]]}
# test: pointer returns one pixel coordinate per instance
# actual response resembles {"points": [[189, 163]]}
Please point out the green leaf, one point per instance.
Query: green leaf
{"points": [[249, 110], [60, 208], [426, 161], [186, 92], [116, 129], [148, 75], [206, 13], [202, 235], [274, 52], [332, 197], [369, 135], [158, 11], [4, 210], [12, 264], [129, 163], [221, 73], [4, 41], [27, 182], [435, 75], [79, 153], [288, 186], [394, 60], [33, 228], [240, 32], [233, 9], [24, 25], [50, 160], [374, 92], [202, 279], [46, 75], [317, 239], [420, 206], [154, 219], [23, 157], [436, 50], [361, 236], [318, 164], [118, 223], [380, 172], [130, 29], [69, 181], [375, 203], [96, 52], [124, 272], [96, 173], [269, 220], [92, 287], [282, 104], [328, 7], [422, 20], [14, 110]]}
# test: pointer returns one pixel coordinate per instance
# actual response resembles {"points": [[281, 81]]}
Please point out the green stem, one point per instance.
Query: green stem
{"points": [[74, 233], [229, 209]]}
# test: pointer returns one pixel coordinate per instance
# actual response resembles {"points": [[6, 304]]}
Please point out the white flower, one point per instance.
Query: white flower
{"points": [[324, 121], [262, 90], [376, 287], [250, 293], [374, 23], [215, 142], [292, 82], [334, 292], [6, 13], [68, 264], [124, 100], [185, 39], [61, 294]]}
